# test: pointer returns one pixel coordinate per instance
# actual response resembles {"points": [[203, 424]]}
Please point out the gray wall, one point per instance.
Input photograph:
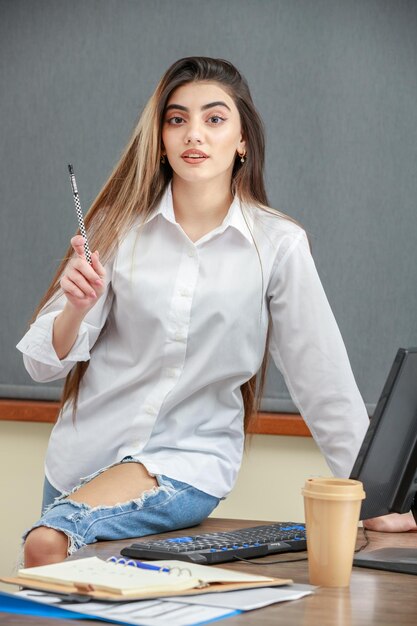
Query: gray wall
{"points": [[336, 84]]}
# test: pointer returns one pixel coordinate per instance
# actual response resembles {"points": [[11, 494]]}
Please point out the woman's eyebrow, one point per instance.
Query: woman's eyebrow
{"points": [[180, 107], [218, 103]]}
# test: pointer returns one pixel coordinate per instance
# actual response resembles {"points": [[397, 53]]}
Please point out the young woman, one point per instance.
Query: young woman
{"points": [[161, 337]]}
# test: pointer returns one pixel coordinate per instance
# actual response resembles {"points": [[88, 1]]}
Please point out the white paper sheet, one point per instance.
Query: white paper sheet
{"points": [[249, 599]]}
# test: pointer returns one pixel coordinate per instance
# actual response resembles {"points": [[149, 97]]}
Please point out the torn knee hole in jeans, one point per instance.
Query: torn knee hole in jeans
{"points": [[75, 542]]}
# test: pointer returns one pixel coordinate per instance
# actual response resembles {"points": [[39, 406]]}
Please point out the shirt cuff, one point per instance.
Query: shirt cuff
{"points": [[37, 343]]}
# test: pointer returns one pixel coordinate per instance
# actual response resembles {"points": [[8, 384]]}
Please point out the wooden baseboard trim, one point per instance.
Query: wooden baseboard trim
{"points": [[28, 410], [288, 424], [42, 411]]}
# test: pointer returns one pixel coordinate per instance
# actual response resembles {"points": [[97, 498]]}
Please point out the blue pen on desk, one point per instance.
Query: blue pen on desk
{"points": [[139, 564]]}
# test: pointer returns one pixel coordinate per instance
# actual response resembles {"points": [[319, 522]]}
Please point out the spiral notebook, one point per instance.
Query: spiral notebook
{"points": [[106, 580]]}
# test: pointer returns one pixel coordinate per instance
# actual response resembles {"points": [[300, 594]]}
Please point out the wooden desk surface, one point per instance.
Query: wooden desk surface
{"points": [[374, 597]]}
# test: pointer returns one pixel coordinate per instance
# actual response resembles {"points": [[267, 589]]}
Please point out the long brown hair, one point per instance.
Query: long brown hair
{"points": [[138, 181]]}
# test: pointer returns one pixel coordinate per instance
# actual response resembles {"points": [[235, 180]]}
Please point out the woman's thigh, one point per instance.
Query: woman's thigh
{"points": [[169, 505], [119, 483]]}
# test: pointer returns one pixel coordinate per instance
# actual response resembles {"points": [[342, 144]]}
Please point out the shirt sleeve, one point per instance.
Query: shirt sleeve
{"points": [[307, 347], [39, 356]]}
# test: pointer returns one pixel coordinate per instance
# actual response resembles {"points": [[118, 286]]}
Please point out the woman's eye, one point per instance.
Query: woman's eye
{"points": [[174, 120], [218, 118]]}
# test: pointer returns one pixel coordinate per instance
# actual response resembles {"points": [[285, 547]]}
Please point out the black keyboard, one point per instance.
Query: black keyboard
{"points": [[209, 548]]}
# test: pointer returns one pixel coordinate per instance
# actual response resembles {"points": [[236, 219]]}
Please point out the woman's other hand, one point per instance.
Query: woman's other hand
{"points": [[392, 523]]}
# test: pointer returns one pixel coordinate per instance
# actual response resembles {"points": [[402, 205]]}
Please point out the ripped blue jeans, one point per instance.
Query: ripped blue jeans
{"points": [[169, 506]]}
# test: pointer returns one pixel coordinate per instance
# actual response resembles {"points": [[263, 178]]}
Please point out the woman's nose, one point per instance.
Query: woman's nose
{"points": [[194, 133]]}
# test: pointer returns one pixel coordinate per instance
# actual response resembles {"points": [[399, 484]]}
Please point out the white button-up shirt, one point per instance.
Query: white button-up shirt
{"points": [[186, 325]]}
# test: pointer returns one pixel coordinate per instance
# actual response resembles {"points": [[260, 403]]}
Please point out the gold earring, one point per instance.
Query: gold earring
{"points": [[162, 158], [242, 157]]}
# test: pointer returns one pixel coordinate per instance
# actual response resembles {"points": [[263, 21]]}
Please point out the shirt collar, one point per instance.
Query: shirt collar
{"points": [[239, 216], [164, 207]]}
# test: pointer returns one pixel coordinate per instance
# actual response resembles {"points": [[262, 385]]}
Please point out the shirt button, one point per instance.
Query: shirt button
{"points": [[171, 372], [186, 293], [179, 336], [191, 253], [150, 410]]}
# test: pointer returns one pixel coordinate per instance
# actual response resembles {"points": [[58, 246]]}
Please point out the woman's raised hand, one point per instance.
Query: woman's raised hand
{"points": [[392, 523], [83, 283]]}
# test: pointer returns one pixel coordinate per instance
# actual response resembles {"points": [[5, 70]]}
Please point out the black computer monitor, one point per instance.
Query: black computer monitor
{"points": [[387, 461]]}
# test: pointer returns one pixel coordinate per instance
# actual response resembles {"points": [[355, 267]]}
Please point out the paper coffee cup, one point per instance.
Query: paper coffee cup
{"points": [[332, 508]]}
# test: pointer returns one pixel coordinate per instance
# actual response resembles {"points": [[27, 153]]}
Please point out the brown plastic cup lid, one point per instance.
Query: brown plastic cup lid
{"points": [[333, 489]]}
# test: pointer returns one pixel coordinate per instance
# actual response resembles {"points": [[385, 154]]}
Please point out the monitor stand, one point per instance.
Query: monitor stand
{"points": [[402, 560]]}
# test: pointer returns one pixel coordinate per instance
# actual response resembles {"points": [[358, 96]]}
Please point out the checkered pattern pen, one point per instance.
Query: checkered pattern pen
{"points": [[79, 213]]}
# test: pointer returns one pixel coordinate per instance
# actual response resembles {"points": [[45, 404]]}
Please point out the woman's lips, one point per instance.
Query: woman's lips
{"points": [[194, 156], [194, 160]]}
